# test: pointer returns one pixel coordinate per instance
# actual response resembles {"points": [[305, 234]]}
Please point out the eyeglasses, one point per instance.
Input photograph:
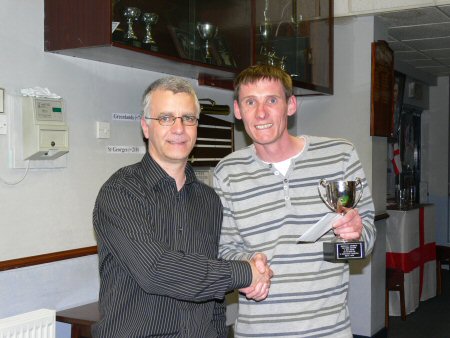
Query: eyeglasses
{"points": [[169, 120]]}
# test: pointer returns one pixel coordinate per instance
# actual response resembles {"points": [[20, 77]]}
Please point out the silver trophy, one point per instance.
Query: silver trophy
{"points": [[131, 14], [340, 195], [265, 30], [207, 32], [149, 19]]}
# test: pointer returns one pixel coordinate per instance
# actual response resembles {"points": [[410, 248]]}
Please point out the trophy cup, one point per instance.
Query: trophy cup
{"points": [[149, 19], [339, 195], [265, 31], [132, 14], [207, 32]]}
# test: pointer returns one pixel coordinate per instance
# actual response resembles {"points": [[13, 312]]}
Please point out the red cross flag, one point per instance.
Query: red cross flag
{"points": [[396, 162]]}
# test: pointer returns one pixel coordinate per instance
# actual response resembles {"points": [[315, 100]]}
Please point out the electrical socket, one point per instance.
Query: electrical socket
{"points": [[103, 130]]}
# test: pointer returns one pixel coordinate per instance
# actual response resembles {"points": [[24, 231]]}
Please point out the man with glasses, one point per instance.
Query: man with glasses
{"points": [[158, 231]]}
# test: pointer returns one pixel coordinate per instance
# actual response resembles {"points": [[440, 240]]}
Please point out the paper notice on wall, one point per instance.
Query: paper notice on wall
{"points": [[125, 149], [126, 117]]}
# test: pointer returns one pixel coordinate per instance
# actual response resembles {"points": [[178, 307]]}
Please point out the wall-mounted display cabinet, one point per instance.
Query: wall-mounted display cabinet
{"points": [[209, 40]]}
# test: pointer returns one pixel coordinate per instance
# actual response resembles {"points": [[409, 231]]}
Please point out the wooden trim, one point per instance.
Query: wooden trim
{"points": [[47, 258]]}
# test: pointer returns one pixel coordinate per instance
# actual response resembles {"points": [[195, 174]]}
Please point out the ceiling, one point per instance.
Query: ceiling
{"points": [[420, 37]]}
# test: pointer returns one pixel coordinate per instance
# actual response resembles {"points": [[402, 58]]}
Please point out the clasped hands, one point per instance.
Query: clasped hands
{"points": [[261, 275]]}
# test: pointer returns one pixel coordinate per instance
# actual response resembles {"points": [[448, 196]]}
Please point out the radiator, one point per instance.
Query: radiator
{"points": [[34, 324]]}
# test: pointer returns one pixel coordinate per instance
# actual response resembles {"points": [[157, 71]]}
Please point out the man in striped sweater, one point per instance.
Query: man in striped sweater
{"points": [[270, 197], [158, 231]]}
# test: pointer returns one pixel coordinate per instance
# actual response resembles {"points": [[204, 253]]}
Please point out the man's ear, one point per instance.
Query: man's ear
{"points": [[237, 111], [145, 129], [292, 105]]}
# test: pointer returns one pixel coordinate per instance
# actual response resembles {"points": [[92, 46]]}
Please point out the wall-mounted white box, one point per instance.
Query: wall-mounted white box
{"points": [[45, 133], [14, 110]]}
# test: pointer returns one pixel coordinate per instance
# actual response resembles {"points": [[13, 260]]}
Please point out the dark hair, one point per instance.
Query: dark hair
{"points": [[172, 83], [255, 73]]}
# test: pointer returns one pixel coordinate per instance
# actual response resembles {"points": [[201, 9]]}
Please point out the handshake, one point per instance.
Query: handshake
{"points": [[261, 275]]}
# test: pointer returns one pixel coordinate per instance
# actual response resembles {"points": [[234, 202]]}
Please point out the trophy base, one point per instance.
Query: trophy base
{"points": [[150, 46], [133, 43], [342, 251]]}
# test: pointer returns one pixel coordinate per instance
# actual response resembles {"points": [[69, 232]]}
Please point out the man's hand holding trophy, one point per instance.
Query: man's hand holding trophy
{"points": [[340, 196]]}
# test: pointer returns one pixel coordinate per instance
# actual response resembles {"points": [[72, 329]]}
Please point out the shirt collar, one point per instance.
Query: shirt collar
{"points": [[158, 174]]}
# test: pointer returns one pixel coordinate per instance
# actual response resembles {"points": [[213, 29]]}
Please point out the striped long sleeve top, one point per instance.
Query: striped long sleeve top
{"points": [[159, 272], [265, 211]]}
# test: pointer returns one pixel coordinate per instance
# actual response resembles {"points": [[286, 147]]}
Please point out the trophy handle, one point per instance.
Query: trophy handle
{"points": [[323, 183], [358, 181]]}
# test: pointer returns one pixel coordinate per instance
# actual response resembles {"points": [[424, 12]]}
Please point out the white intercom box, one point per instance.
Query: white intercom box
{"points": [[45, 132]]}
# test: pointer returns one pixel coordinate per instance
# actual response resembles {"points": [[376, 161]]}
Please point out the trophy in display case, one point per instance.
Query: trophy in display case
{"points": [[340, 195], [131, 14], [149, 19], [267, 54], [207, 32]]}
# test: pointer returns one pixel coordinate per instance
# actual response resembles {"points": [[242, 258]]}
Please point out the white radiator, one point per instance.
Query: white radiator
{"points": [[34, 324]]}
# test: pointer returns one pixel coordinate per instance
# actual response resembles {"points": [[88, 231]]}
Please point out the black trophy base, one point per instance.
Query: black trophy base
{"points": [[150, 46], [342, 251], [133, 43]]}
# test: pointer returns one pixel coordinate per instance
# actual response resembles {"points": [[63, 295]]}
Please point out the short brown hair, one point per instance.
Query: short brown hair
{"points": [[255, 73]]}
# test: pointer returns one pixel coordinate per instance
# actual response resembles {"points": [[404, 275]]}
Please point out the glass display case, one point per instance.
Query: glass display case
{"points": [[203, 32], [209, 40], [297, 35]]}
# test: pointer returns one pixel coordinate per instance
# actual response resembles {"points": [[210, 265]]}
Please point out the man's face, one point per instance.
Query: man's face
{"points": [[170, 144], [264, 110]]}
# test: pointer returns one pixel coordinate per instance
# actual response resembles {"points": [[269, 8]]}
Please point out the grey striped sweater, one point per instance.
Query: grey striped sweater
{"points": [[265, 211]]}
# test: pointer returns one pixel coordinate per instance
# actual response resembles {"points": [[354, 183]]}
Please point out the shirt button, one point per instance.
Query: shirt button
{"points": [[285, 180], [277, 173], [285, 187], [287, 198]]}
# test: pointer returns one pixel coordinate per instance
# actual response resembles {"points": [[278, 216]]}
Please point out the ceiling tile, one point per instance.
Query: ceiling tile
{"points": [[438, 71], [429, 43], [445, 62], [438, 53], [415, 16], [420, 37], [410, 55], [423, 63], [445, 10], [399, 46], [435, 30]]}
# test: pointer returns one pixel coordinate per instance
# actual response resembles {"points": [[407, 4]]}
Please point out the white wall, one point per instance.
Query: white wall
{"points": [[346, 114], [435, 155], [58, 285]]}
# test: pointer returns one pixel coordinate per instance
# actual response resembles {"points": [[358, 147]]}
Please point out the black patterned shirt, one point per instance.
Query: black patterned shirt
{"points": [[159, 275]]}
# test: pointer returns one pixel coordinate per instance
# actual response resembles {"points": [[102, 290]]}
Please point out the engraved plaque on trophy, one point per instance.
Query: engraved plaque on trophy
{"points": [[339, 195]]}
